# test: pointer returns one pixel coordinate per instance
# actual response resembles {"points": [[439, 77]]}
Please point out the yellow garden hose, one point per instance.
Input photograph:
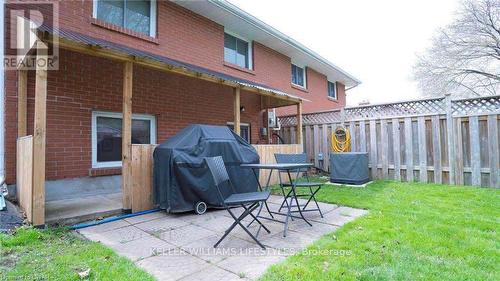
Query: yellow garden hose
{"points": [[341, 140]]}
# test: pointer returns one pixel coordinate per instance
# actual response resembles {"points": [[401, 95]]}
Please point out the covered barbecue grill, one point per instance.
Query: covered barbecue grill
{"points": [[181, 179]]}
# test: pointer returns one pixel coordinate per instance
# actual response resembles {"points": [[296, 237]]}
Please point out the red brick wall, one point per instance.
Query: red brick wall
{"points": [[189, 37], [86, 83]]}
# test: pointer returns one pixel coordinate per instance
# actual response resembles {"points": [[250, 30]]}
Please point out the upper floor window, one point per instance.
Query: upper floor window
{"points": [[298, 76], [136, 15], [332, 90], [237, 51]]}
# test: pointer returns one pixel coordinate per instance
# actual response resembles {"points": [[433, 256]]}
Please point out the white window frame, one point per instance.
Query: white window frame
{"points": [[244, 125], [152, 12], [328, 90], [304, 76], [249, 42], [115, 164]]}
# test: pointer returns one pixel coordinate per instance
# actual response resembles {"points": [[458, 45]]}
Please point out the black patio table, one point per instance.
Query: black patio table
{"points": [[289, 168]]}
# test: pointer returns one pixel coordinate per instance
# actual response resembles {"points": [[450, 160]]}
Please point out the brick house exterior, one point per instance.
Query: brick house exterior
{"points": [[84, 84]]}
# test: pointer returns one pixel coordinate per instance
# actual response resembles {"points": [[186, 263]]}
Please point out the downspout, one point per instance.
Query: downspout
{"points": [[3, 186]]}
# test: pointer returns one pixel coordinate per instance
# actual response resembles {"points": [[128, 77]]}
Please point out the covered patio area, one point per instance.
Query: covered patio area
{"points": [[127, 187]]}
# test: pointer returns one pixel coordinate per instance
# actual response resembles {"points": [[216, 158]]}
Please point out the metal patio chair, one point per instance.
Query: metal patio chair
{"points": [[249, 200], [298, 158]]}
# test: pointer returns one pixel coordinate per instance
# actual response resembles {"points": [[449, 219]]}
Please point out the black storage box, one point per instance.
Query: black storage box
{"points": [[349, 168]]}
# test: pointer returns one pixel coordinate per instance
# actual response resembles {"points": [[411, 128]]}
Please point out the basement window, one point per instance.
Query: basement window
{"points": [[136, 15], [107, 136], [244, 130], [298, 76]]}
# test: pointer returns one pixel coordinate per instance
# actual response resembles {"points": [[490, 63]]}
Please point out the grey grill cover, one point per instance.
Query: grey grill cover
{"points": [[349, 167], [180, 176]]}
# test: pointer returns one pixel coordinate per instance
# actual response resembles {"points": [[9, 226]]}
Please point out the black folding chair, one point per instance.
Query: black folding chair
{"points": [[298, 158], [249, 200]]}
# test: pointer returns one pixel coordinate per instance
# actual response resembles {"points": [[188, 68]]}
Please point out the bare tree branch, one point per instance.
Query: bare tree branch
{"points": [[465, 57]]}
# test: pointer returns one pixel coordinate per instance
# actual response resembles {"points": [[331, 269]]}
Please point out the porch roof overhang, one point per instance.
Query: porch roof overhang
{"points": [[270, 98]]}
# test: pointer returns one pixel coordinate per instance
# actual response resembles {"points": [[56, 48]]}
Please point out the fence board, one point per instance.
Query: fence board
{"points": [[373, 149], [493, 151], [384, 143], [316, 146], [352, 130], [24, 176], [142, 176], [326, 147], [436, 149], [459, 162], [362, 136], [409, 149], [475, 150], [422, 149], [397, 152]]}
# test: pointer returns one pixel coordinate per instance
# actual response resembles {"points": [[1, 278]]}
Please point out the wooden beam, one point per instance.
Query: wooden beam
{"points": [[127, 135], [237, 115], [39, 137], [299, 124], [22, 101], [123, 57]]}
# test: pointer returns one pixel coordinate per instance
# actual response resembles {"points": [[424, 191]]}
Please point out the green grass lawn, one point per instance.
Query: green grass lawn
{"points": [[57, 254], [413, 232]]}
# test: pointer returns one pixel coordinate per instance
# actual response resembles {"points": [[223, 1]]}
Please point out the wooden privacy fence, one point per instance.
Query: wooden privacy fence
{"points": [[24, 184], [266, 153], [141, 193], [450, 148]]}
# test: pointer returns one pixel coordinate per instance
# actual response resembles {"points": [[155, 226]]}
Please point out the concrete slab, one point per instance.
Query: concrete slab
{"points": [[70, 211], [142, 248], [213, 273], [172, 265], [160, 225], [204, 248], [184, 235], [81, 187], [249, 266], [180, 246]]}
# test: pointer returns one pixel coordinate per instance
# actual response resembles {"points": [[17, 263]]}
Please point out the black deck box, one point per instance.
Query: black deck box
{"points": [[349, 168]]}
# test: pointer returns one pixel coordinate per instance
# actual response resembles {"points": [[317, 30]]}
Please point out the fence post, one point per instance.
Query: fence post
{"points": [[450, 139]]}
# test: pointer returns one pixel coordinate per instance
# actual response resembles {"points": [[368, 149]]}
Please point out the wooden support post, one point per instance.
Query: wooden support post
{"points": [[237, 115], [127, 136], [39, 135], [22, 101], [299, 124]]}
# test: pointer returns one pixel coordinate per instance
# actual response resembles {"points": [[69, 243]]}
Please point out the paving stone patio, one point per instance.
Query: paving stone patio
{"points": [[180, 247]]}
